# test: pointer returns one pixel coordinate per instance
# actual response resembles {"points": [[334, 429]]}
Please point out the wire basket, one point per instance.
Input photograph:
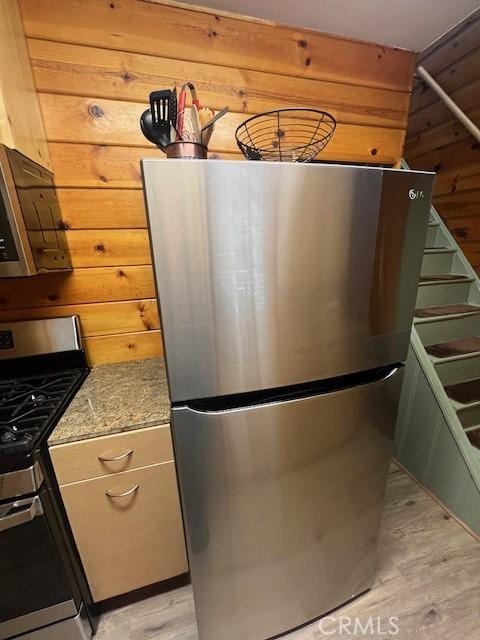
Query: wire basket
{"points": [[285, 135]]}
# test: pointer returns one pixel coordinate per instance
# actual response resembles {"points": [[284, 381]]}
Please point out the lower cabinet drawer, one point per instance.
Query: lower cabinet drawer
{"points": [[115, 453], [132, 540]]}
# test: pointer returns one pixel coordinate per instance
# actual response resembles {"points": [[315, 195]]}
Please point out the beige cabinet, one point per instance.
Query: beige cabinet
{"points": [[127, 524], [83, 460], [21, 123]]}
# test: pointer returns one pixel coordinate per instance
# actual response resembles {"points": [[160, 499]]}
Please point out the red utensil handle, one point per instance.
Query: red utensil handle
{"points": [[181, 113]]}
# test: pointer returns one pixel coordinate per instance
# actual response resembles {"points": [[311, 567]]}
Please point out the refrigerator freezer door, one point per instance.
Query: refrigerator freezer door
{"points": [[282, 505], [273, 274]]}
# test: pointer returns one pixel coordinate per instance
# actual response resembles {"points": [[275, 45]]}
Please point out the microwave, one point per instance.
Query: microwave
{"points": [[32, 237]]}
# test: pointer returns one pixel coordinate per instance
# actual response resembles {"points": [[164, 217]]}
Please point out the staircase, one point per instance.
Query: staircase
{"points": [[438, 429]]}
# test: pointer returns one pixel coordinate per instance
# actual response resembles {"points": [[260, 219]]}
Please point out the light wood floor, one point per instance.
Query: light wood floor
{"points": [[428, 577]]}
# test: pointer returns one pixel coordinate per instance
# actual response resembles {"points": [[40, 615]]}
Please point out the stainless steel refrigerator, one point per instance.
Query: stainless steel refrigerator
{"points": [[286, 294]]}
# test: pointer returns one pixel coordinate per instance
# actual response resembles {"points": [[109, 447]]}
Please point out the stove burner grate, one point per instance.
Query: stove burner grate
{"points": [[28, 407]]}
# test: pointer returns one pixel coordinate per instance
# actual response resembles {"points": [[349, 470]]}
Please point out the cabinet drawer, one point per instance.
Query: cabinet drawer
{"points": [[132, 541], [96, 457]]}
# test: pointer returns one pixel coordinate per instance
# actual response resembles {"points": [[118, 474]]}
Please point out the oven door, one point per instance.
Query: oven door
{"points": [[35, 591]]}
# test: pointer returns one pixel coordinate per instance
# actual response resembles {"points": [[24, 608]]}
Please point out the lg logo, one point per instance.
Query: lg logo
{"points": [[416, 194]]}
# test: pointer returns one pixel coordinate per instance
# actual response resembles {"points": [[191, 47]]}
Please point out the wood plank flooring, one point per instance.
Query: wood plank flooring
{"points": [[428, 576]]}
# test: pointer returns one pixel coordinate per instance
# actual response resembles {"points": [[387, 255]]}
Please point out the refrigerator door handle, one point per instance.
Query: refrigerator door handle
{"points": [[391, 373], [231, 403]]}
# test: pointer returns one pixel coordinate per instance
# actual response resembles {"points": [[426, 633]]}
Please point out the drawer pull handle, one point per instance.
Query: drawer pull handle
{"points": [[124, 494], [116, 458]]}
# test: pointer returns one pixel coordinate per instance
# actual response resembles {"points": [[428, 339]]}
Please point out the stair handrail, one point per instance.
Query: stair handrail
{"points": [[449, 103]]}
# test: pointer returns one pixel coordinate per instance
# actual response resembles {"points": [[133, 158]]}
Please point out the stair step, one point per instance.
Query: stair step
{"points": [[474, 437], [444, 277], [464, 392], [433, 250], [469, 417], [445, 310], [454, 347]]}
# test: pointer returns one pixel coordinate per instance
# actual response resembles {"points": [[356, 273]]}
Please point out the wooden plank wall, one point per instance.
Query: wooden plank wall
{"points": [[21, 124], [436, 140], [95, 62]]}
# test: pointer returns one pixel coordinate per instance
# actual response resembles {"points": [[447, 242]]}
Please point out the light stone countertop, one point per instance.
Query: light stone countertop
{"points": [[115, 398]]}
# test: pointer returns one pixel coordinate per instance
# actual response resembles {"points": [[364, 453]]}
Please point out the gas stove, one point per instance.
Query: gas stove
{"points": [[42, 367], [29, 406]]}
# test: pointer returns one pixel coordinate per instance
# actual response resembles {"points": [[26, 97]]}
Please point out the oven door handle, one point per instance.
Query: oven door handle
{"points": [[33, 509]]}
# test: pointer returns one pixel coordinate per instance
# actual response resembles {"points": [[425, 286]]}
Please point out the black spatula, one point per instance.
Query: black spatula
{"points": [[160, 109]]}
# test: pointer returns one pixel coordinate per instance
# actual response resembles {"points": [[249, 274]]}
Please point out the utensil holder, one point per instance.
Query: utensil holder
{"points": [[186, 150]]}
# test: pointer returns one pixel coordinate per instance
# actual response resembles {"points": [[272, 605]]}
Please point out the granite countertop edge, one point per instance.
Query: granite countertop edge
{"points": [[116, 398], [55, 440]]}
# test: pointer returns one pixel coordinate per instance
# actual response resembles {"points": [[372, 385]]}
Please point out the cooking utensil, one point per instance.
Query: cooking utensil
{"points": [[181, 112], [150, 132], [159, 107], [188, 132], [206, 135], [205, 115], [193, 92], [172, 113], [207, 129], [195, 123], [216, 117]]}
